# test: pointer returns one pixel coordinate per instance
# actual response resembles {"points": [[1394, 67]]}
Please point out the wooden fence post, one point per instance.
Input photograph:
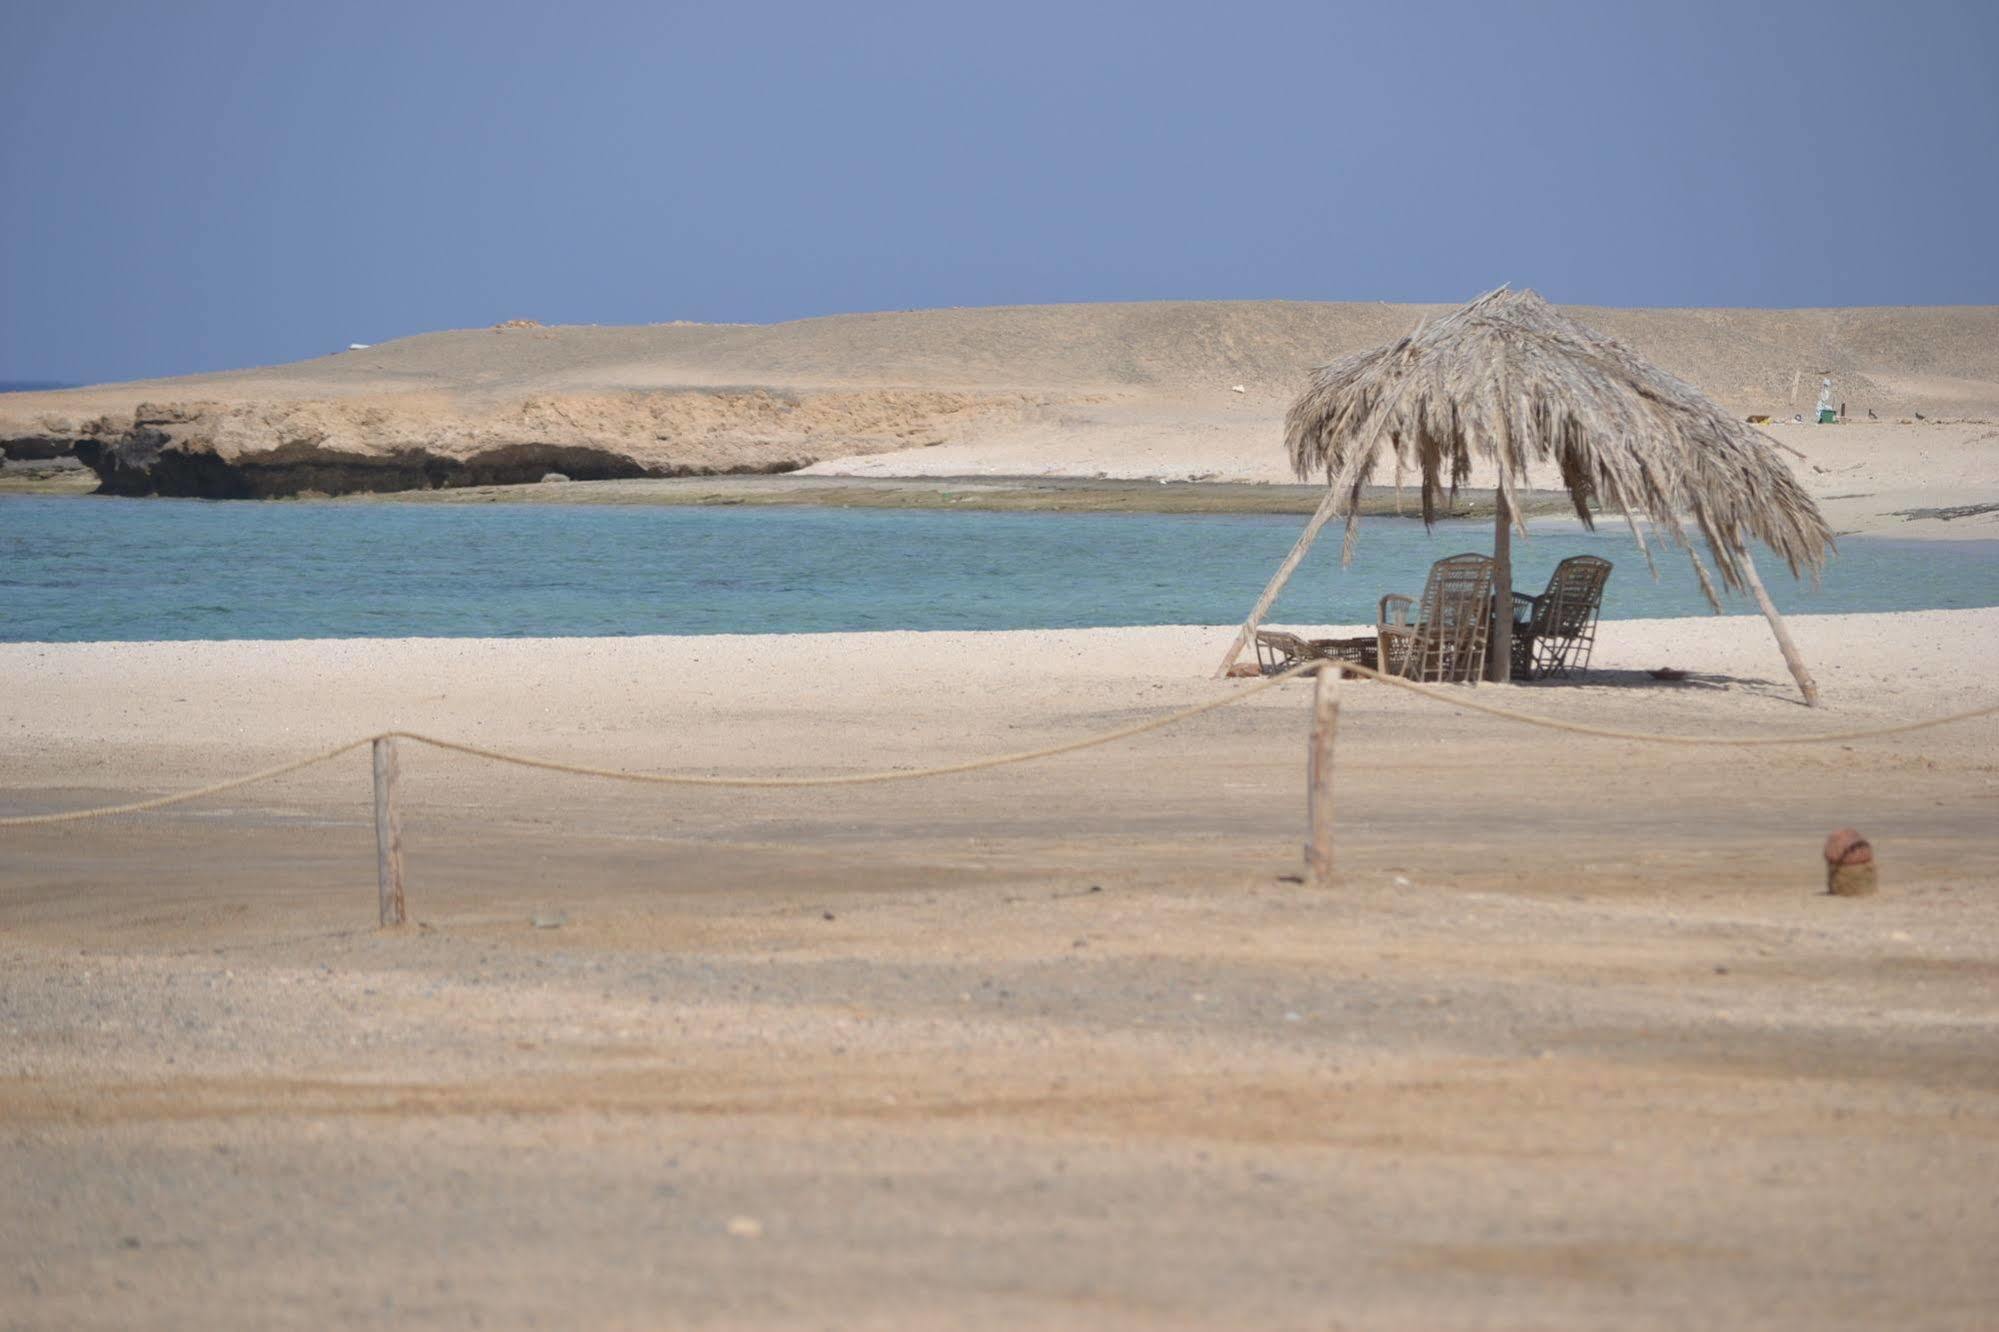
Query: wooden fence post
{"points": [[388, 833], [1319, 775]]}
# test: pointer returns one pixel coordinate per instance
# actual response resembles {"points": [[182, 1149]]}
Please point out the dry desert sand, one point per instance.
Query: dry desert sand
{"points": [[1575, 1040]]}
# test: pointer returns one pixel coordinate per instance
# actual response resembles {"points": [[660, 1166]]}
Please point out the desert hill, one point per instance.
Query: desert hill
{"points": [[511, 403]]}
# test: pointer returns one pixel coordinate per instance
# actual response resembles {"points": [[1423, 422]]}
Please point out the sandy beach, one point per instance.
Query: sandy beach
{"points": [[1575, 1038], [1929, 479]]}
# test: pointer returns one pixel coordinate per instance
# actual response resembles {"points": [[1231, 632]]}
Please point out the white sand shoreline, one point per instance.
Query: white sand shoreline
{"points": [[1670, 625], [185, 704]]}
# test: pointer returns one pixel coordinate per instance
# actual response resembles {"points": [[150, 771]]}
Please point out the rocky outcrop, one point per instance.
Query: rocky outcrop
{"points": [[138, 465], [36, 448], [236, 450]]}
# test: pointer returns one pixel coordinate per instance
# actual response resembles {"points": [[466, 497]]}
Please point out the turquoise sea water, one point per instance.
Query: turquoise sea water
{"points": [[88, 569]]}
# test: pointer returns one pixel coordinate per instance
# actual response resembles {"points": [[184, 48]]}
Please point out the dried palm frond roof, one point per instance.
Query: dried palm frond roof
{"points": [[1511, 380]]}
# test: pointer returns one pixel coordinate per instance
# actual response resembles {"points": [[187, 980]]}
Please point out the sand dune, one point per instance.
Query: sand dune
{"points": [[1890, 359]]}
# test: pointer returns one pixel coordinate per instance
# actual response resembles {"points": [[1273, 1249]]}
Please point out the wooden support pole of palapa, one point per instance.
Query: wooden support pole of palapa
{"points": [[1792, 658], [1499, 641], [388, 833], [1320, 516], [1319, 776]]}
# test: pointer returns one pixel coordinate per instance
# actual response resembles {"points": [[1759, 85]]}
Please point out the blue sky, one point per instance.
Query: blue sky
{"points": [[197, 185]]}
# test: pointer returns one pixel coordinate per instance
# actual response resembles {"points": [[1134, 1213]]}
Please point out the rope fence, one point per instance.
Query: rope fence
{"points": [[182, 797], [1325, 720]]}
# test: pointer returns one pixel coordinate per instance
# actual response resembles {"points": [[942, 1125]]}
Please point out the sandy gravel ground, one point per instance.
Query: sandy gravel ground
{"points": [[1575, 1040]]}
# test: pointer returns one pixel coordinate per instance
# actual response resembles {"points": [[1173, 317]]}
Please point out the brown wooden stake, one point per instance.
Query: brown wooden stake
{"points": [[388, 833], [1284, 572], [1806, 685], [1499, 643], [1319, 776]]}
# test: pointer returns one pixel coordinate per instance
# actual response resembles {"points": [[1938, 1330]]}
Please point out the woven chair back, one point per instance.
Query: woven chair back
{"points": [[1458, 590], [1575, 591], [1560, 635], [1453, 619]]}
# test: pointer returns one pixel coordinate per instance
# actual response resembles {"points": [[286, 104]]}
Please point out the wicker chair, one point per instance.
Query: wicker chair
{"points": [[1277, 651], [1554, 632], [1446, 641]]}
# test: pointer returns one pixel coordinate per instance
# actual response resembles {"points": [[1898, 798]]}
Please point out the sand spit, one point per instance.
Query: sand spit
{"points": [[1184, 390], [999, 494], [1576, 1040], [1920, 480]]}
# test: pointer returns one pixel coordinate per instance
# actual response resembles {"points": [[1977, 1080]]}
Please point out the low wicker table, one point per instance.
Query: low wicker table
{"points": [[1277, 651]]}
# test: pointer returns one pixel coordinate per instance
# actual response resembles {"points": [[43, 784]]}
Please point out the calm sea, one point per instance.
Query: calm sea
{"points": [[86, 569]]}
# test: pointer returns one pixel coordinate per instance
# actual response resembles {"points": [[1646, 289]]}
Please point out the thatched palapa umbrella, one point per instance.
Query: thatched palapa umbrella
{"points": [[1509, 380]]}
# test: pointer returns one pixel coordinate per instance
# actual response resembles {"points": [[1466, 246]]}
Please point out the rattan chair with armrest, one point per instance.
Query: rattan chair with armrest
{"points": [[1445, 641]]}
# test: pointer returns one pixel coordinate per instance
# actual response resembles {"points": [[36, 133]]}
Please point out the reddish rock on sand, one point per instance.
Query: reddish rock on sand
{"points": [[1849, 864]]}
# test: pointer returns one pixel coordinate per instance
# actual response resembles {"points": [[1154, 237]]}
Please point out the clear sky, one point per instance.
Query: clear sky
{"points": [[199, 184]]}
